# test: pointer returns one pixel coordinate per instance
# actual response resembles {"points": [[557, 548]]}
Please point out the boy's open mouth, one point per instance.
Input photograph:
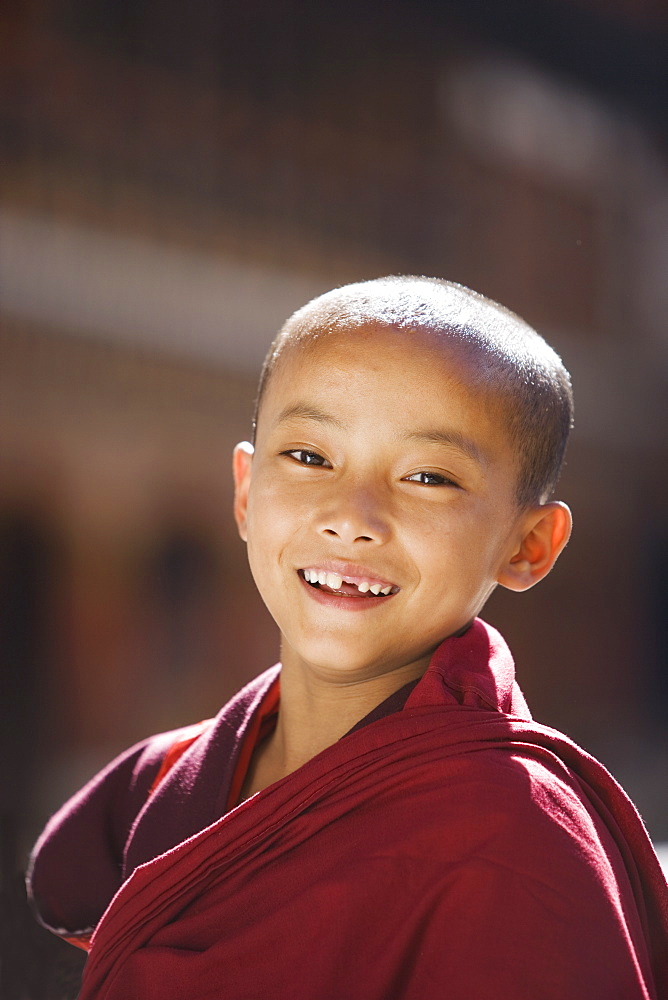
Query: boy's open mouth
{"points": [[347, 586]]}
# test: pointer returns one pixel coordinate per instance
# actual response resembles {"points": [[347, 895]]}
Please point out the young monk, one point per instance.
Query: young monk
{"points": [[377, 817]]}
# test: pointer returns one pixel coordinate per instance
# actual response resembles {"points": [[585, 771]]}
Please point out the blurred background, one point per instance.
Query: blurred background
{"points": [[176, 179]]}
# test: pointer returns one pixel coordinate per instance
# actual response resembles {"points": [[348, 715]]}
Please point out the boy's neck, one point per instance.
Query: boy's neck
{"points": [[314, 713]]}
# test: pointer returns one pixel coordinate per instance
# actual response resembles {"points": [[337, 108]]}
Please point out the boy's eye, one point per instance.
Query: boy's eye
{"points": [[305, 457], [429, 479]]}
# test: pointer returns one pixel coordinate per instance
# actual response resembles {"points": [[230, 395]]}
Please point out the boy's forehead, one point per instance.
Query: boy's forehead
{"points": [[415, 370], [407, 384], [371, 346]]}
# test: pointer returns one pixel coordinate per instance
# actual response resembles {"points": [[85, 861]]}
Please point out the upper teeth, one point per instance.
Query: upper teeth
{"points": [[334, 581]]}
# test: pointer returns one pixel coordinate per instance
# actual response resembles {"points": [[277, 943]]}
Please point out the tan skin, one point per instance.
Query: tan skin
{"points": [[418, 495]]}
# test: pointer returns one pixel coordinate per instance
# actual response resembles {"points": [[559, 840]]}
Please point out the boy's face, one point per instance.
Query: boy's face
{"points": [[376, 462]]}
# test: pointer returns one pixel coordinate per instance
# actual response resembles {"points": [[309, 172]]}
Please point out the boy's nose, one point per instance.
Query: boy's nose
{"points": [[354, 516]]}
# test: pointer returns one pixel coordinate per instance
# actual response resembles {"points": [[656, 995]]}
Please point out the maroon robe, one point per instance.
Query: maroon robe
{"points": [[453, 849]]}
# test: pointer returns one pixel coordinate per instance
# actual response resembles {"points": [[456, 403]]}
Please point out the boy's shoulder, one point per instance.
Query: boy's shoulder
{"points": [[518, 806], [88, 834], [93, 833]]}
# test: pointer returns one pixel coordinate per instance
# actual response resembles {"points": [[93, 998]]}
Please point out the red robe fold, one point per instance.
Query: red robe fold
{"points": [[449, 850]]}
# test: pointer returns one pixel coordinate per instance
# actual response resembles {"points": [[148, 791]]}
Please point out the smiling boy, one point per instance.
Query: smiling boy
{"points": [[378, 817], [420, 497]]}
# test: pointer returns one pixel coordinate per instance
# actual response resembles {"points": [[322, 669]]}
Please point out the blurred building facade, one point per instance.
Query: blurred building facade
{"points": [[175, 181]]}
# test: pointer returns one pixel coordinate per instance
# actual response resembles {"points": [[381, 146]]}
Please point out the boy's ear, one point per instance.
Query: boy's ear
{"points": [[242, 464], [545, 531]]}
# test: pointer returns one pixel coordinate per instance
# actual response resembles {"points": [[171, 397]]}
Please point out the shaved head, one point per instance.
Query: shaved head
{"points": [[513, 368]]}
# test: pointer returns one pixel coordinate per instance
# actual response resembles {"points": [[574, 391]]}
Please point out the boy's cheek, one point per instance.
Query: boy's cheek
{"points": [[272, 503]]}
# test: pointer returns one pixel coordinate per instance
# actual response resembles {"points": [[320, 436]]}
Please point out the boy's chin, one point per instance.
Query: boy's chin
{"points": [[338, 665], [464, 628]]}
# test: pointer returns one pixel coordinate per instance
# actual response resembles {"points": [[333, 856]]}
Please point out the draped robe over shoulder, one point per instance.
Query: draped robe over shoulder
{"points": [[453, 849]]}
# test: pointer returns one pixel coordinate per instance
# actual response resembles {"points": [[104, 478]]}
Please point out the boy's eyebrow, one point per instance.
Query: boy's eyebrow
{"points": [[437, 436], [309, 412], [452, 438]]}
